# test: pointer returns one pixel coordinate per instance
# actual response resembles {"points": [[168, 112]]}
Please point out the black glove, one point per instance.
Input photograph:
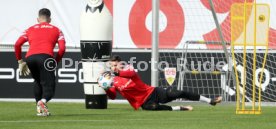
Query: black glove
{"points": [[116, 74]]}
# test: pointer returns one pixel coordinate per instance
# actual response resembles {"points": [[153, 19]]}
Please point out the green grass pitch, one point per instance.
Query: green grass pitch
{"points": [[15, 115]]}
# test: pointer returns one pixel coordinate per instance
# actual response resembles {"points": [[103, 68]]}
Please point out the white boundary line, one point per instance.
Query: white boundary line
{"points": [[58, 121], [55, 121], [58, 100]]}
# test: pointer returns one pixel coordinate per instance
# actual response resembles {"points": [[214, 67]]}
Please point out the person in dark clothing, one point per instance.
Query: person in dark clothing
{"points": [[40, 60]]}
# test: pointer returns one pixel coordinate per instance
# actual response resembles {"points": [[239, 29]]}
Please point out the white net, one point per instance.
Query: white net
{"points": [[201, 62], [198, 71]]}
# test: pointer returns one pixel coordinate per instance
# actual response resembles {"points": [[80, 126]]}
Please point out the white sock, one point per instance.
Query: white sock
{"points": [[43, 100], [176, 108], [204, 99]]}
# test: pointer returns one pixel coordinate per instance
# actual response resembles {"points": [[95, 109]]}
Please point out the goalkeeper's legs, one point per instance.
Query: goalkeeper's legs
{"points": [[44, 88], [45, 79], [173, 94], [157, 107], [35, 72], [48, 89], [152, 103], [37, 91], [48, 84]]}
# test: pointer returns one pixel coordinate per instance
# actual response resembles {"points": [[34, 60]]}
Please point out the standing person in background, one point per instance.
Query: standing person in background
{"points": [[42, 38]]}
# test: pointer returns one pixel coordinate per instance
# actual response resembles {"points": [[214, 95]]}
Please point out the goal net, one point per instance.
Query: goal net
{"points": [[201, 64]]}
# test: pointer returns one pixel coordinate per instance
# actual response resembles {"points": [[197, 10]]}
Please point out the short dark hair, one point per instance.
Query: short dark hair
{"points": [[115, 58], [44, 12]]}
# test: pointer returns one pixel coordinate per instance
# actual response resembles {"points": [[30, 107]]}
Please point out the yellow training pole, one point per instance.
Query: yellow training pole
{"points": [[263, 66], [254, 24], [234, 60], [254, 57], [244, 54]]}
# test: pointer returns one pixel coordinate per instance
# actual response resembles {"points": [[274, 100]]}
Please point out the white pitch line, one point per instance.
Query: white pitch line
{"points": [[50, 121], [55, 121], [58, 100]]}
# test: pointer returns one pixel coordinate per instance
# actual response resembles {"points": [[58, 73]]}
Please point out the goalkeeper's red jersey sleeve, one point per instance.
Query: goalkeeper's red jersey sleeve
{"points": [[131, 87], [42, 39], [111, 93], [127, 72]]}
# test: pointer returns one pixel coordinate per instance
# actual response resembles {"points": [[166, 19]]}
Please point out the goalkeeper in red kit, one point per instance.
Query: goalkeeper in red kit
{"points": [[128, 83], [40, 60]]}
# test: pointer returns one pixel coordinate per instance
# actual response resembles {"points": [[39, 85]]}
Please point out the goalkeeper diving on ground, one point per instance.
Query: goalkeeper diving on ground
{"points": [[127, 82]]}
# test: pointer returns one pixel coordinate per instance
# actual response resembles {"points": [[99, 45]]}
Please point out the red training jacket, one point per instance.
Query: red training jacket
{"points": [[131, 87], [42, 39]]}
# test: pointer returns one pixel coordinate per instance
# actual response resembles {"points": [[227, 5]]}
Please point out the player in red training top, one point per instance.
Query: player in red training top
{"points": [[128, 83], [40, 60]]}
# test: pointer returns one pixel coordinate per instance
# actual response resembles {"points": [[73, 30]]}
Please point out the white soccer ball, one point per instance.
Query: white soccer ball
{"points": [[105, 80]]}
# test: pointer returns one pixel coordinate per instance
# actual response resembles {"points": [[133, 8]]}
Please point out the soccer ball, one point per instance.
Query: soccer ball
{"points": [[105, 80]]}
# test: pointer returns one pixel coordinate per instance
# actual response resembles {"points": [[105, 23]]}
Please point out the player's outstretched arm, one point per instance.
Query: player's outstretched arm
{"points": [[111, 92]]}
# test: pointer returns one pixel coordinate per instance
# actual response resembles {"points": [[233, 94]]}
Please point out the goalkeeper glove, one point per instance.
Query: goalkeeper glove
{"points": [[23, 68], [115, 73]]}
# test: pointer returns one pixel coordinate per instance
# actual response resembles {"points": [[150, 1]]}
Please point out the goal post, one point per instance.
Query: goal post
{"points": [[202, 65], [199, 71], [155, 42]]}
